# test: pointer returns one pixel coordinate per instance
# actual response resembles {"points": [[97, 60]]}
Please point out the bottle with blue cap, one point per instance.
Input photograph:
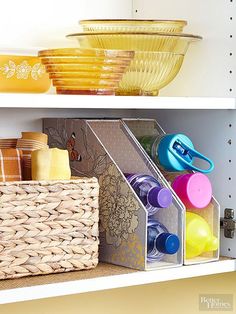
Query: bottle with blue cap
{"points": [[160, 241], [174, 152], [151, 193]]}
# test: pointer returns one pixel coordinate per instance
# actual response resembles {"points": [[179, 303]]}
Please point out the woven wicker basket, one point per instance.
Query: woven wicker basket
{"points": [[48, 227]]}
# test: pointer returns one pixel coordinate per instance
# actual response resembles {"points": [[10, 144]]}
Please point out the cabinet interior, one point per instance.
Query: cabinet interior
{"points": [[209, 70]]}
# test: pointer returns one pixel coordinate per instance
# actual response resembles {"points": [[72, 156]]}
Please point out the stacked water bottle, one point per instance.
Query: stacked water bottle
{"points": [[154, 196], [176, 153]]}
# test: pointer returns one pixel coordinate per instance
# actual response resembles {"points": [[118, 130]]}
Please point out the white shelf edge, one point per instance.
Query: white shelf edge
{"points": [[46, 101], [114, 281]]}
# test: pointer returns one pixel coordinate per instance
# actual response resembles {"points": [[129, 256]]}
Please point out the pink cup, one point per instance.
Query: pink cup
{"points": [[193, 189]]}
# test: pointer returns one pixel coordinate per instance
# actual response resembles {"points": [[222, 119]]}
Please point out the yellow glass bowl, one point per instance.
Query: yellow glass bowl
{"points": [[158, 57], [85, 68], [89, 75], [21, 71], [82, 52], [107, 26], [86, 82], [149, 72], [166, 42], [81, 71], [71, 90], [84, 60]]}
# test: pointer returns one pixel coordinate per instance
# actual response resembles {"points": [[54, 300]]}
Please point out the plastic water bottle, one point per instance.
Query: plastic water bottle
{"points": [[152, 194], [174, 152], [160, 241]]}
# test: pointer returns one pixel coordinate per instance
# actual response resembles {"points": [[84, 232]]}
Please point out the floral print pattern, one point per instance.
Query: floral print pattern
{"points": [[22, 71], [118, 208], [8, 69], [38, 70], [131, 253]]}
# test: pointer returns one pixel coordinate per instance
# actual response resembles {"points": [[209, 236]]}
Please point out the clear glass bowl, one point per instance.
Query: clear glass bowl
{"points": [[146, 75], [106, 26], [158, 58], [149, 72], [165, 42]]}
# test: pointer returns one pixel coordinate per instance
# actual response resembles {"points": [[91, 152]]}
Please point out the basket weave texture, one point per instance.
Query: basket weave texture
{"points": [[48, 226]]}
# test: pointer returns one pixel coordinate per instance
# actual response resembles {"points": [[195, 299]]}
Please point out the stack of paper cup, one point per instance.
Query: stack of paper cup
{"points": [[29, 142]]}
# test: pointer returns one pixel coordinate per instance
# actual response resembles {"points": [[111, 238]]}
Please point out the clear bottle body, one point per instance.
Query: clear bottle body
{"points": [[150, 192], [171, 155], [150, 144], [154, 230], [160, 241]]}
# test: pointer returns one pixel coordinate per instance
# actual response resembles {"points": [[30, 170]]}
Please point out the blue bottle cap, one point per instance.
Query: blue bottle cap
{"points": [[176, 153], [167, 243], [171, 144], [159, 197]]}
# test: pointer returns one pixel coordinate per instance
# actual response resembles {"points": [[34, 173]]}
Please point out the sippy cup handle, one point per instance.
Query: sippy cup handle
{"points": [[196, 154]]}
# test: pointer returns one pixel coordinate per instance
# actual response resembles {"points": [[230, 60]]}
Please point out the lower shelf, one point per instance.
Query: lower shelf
{"points": [[103, 277]]}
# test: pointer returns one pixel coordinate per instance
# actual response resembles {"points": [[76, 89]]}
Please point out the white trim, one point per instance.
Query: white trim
{"points": [[112, 102], [116, 281]]}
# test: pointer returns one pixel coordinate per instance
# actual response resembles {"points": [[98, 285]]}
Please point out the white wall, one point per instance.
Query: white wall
{"points": [[45, 23], [205, 71]]}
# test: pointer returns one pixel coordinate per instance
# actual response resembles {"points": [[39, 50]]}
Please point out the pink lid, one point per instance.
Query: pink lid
{"points": [[193, 189]]}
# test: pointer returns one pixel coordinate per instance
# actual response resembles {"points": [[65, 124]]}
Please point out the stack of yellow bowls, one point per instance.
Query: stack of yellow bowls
{"points": [[86, 71], [159, 46]]}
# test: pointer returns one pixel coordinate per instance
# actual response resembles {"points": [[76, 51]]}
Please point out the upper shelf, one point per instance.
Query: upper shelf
{"points": [[104, 276], [112, 102]]}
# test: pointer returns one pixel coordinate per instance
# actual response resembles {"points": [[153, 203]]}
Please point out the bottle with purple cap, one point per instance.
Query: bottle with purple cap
{"points": [[152, 194], [160, 241]]}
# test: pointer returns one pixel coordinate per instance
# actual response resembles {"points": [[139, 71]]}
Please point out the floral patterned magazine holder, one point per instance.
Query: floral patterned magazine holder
{"points": [[104, 149]]}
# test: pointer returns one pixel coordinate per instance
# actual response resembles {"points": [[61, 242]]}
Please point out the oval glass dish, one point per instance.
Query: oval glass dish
{"points": [[132, 25], [21, 71]]}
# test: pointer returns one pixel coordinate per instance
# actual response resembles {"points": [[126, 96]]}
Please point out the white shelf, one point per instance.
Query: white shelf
{"points": [[103, 277], [113, 102]]}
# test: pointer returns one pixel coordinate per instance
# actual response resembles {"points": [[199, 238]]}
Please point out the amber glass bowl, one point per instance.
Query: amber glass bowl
{"points": [[149, 72], [158, 57], [135, 26], [82, 52], [166, 42], [86, 71]]}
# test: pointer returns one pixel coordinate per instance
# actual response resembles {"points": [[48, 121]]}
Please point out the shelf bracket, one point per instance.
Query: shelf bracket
{"points": [[228, 223]]}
